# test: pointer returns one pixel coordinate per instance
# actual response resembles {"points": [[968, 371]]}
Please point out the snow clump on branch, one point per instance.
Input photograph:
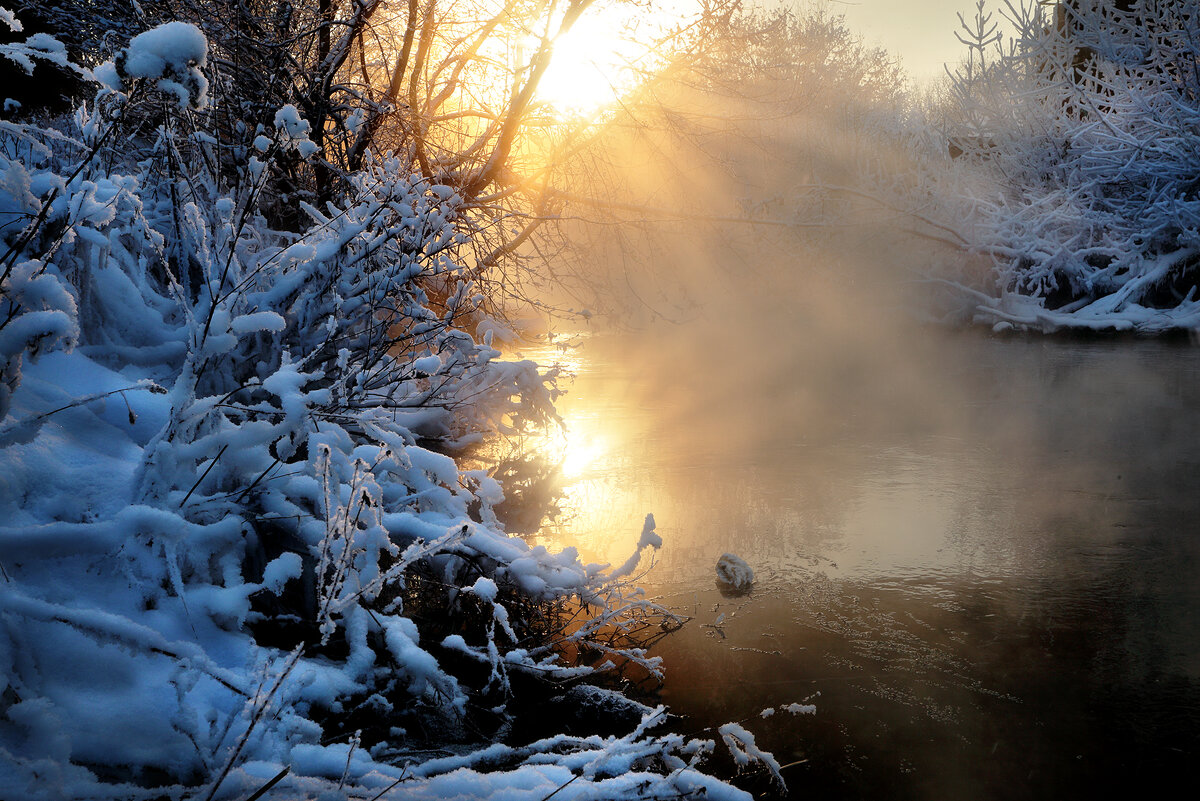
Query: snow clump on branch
{"points": [[293, 131], [171, 56]]}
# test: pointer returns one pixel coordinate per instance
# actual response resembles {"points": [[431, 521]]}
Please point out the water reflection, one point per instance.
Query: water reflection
{"points": [[984, 575]]}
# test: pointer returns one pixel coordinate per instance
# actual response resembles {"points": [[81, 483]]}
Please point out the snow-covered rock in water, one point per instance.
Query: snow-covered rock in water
{"points": [[733, 571]]}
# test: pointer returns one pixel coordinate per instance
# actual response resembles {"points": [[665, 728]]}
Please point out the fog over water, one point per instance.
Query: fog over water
{"points": [[976, 556]]}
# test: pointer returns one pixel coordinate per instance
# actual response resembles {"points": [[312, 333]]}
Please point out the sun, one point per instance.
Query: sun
{"points": [[608, 53], [593, 66]]}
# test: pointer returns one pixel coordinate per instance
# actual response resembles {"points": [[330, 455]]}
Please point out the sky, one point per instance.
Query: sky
{"points": [[921, 32]]}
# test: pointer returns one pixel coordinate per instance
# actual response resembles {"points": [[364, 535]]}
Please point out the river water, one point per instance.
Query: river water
{"points": [[980, 561]]}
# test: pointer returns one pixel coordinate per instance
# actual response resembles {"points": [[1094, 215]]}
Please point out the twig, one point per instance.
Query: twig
{"points": [[145, 384], [258, 715], [257, 794], [349, 756], [382, 792], [204, 475], [254, 483], [561, 787]]}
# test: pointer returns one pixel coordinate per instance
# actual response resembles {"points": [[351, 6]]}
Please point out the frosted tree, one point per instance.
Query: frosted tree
{"points": [[1076, 168]]}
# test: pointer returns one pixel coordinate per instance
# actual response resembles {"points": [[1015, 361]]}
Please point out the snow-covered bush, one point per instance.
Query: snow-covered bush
{"points": [[1075, 164], [232, 538]]}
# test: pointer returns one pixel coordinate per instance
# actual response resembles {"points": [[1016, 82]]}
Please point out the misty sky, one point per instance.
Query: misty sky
{"points": [[921, 32]]}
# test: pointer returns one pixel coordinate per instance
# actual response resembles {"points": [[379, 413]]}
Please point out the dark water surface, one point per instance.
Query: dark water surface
{"points": [[980, 561]]}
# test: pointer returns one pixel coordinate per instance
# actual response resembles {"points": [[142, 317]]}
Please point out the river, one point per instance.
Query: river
{"points": [[979, 561]]}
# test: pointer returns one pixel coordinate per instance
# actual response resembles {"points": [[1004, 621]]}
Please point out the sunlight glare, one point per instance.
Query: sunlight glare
{"points": [[606, 54], [584, 448], [591, 66]]}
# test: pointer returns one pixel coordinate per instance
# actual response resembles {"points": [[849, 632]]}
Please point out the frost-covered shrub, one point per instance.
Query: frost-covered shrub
{"points": [[232, 538], [1075, 164]]}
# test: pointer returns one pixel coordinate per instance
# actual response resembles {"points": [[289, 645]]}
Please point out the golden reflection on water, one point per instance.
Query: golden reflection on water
{"points": [[575, 465], [585, 448], [589, 482]]}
